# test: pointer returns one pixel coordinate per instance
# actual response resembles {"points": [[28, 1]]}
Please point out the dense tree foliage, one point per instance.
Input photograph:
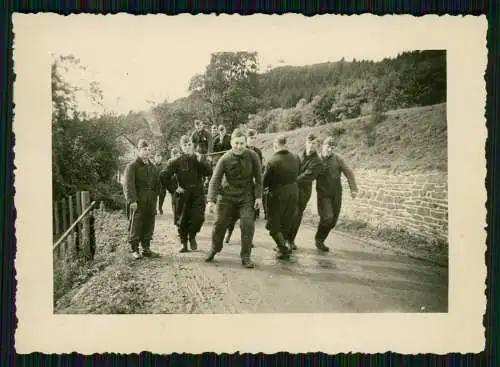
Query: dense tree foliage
{"points": [[229, 86], [231, 92], [85, 151]]}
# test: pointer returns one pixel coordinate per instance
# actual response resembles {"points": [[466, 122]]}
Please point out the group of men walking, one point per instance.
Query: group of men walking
{"points": [[238, 180]]}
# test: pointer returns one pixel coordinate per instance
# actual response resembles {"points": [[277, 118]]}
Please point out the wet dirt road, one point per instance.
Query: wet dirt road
{"points": [[354, 277]]}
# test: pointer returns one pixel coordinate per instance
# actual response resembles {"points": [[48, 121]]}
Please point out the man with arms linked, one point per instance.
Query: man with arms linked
{"points": [[236, 187]]}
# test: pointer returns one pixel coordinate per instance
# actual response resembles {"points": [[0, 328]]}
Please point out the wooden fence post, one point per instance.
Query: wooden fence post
{"points": [[86, 234], [64, 213], [57, 223], [71, 220], [78, 229]]}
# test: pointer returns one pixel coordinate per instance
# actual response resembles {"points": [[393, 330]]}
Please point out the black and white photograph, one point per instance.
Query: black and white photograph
{"points": [[290, 166]]}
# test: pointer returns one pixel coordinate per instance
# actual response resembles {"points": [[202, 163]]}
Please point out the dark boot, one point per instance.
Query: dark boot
{"points": [[247, 263], [134, 250], [321, 246], [228, 236], [184, 247], [283, 251], [146, 251], [184, 242], [210, 256], [192, 242]]}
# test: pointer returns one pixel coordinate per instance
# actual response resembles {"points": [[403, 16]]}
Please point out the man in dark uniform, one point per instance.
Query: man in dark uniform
{"points": [[203, 143], [236, 187], [280, 177], [222, 141], [189, 170], [251, 135], [163, 190], [141, 187], [214, 130], [310, 168], [329, 191], [201, 138], [171, 184]]}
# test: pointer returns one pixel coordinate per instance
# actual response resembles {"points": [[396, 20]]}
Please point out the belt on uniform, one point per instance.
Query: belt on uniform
{"points": [[283, 185], [187, 187]]}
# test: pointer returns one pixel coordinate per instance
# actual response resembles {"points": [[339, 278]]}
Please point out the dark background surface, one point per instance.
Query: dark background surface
{"points": [[8, 357]]}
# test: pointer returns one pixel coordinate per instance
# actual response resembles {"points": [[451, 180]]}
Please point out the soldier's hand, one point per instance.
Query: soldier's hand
{"points": [[198, 156], [258, 204], [133, 206], [211, 208], [209, 158], [179, 190]]}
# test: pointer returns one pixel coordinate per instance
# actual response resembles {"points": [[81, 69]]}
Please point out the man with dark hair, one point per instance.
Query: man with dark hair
{"points": [[214, 130], [141, 187], [236, 187], [310, 168], [280, 177], [189, 169], [251, 135], [329, 191], [171, 184], [222, 141], [201, 138]]}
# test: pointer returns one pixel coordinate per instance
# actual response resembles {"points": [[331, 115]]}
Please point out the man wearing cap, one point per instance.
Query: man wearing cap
{"points": [[201, 138], [329, 191], [310, 168], [189, 169], [214, 130], [222, 141], [171, 184], [251, 136], [141, 187], [236, 187], [280, 176]]}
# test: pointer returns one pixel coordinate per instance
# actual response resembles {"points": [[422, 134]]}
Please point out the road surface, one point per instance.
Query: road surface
{"points": [[354, 277]]}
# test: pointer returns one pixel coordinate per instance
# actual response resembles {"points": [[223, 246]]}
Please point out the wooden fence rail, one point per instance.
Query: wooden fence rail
{"points": [[77, 236]]}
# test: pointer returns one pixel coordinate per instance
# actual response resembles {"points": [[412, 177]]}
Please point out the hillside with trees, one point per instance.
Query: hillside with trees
{"points": [[231, 92]]}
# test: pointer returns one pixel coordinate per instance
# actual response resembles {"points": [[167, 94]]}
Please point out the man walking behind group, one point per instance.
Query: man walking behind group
{"points": [[202, 138], [280, 177], [236, 187], [189, 170], [222, 141], [203, 143], [329, 191], [310, 168], [141, 187]]}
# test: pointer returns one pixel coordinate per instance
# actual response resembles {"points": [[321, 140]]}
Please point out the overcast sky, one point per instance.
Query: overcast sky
{"points": [[136, 59]]}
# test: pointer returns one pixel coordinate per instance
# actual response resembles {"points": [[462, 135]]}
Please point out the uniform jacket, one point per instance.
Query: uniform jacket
{"points": [[186, 172], [259, 153], [222, 143], [328, 181], [281, 169], [310, 167], [140, 179], [236, 176], [203, 141]]}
